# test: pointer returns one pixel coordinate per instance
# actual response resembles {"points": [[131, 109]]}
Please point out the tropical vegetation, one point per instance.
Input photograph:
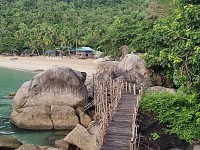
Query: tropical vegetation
{"points": [[167, 32]]}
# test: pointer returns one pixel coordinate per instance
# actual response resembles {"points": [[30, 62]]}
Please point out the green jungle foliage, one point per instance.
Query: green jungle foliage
{"points": [[181, 112], [173, 45], [39, 25]]}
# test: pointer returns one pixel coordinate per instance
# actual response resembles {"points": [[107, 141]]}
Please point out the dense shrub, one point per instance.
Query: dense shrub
{"points": [[173, 45], [181, 112]]}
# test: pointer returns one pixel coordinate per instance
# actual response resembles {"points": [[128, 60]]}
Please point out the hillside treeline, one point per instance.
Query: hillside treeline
{"points": [[40, 24]]}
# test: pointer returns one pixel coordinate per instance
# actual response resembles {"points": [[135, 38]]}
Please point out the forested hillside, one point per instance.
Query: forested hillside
{"points": [[40, 24], [167, 32]]}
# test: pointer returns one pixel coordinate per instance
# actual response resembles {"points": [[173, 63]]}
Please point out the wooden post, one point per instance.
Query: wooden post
{"points": [[106, 99], [134, 90], [141, 87], [126, 87], [122, 84], [132, 144], [110, 91], [129, 86]]}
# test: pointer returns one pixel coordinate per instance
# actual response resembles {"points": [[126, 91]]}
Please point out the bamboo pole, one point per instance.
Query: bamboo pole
{"points": [[126, 87], [132, 144], [129, 86], [134, 90], [110, 91]]}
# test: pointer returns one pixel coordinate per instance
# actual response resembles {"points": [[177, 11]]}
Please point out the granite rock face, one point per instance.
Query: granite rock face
{"points": [[55, 86], [46, 101], [133, 70]]}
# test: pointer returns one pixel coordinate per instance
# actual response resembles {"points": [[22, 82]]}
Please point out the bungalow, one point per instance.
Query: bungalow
{"points": [[82, 52]]}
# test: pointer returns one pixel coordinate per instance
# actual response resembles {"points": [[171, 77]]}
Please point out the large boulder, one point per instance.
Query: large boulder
{"points": [[56, 117], [133, 70], [52, 90], [9, 143], [55, 86], [80, 137]]}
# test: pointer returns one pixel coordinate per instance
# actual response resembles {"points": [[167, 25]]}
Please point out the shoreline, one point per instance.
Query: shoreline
{"points": [[39, 63]]}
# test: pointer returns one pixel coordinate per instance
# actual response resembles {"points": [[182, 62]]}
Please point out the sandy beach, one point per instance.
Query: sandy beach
{"points": [[43, 63]]}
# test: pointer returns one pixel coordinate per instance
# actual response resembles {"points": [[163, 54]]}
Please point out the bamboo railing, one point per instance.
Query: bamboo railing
{"points": [[107, 93]]}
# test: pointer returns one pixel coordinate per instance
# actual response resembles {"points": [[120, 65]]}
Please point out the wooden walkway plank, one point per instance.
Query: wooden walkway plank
{"points": [[119, 130]]}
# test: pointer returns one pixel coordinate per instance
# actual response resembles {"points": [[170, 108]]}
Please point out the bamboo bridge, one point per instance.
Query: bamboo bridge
{"points": [[116, 104]]}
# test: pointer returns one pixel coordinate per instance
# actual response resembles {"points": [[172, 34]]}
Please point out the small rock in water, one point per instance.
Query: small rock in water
{"points": [[12, 94], [38, 70], [9, 143]]}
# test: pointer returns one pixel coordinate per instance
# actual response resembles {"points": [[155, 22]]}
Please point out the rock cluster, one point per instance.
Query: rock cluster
{"points": [[54, 99], [81, 137], [49, 100]]}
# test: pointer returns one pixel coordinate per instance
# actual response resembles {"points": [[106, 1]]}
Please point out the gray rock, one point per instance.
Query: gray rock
{"points": [[56, 117], [196, 147], [12, 94], [133, 70], [59, 86], [81, 75], [85, 119], [80, 137], [9, 143]]}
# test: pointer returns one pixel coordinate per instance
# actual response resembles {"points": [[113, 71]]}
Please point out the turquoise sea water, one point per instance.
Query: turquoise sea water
{"points": [[10, 81]]}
